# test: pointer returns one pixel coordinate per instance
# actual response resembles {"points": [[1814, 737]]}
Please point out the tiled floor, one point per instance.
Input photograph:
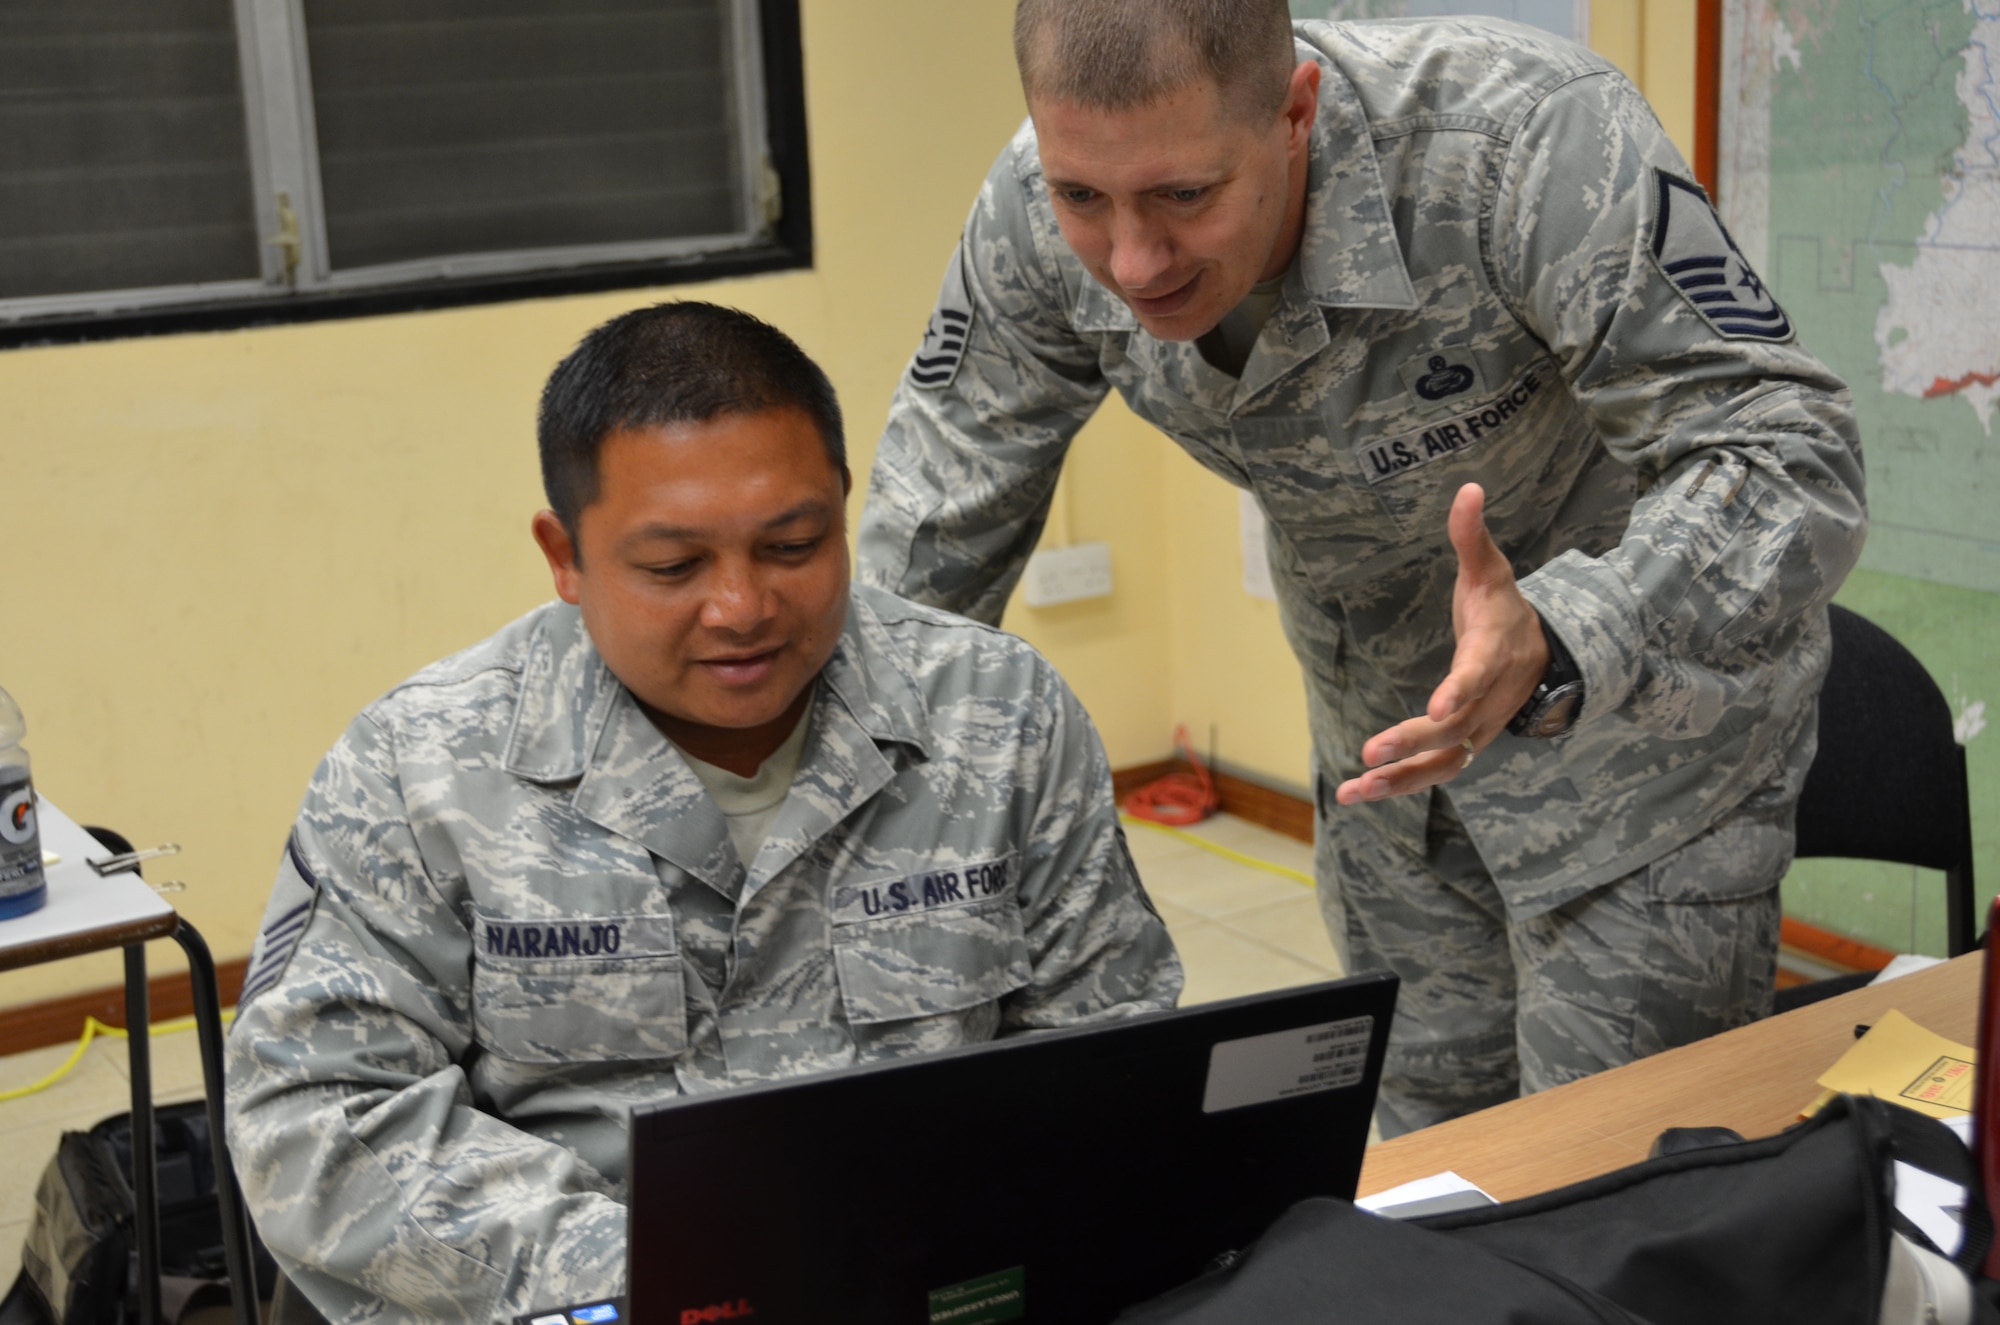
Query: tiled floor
{"points": [[1239, 929]]}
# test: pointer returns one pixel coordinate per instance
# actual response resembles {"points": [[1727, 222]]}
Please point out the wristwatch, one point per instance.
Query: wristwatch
{"points": [[1558, 698]]}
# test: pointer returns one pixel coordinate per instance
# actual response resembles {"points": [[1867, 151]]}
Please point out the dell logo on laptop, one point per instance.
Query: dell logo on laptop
{"points": [[717, 1311]]}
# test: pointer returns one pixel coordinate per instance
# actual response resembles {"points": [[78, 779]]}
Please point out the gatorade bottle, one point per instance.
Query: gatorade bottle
{"points": [[22, 887]]}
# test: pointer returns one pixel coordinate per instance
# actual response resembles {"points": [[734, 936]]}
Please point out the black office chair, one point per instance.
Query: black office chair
{"points": [[1889, 780]]}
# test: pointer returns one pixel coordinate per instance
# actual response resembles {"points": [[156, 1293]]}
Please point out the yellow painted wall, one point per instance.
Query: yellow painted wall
{"points": [[1653, 42], [1235, 683], [224, 545], [1117, 653]]}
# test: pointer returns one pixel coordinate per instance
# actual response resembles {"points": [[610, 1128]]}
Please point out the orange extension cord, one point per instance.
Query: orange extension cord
{"points": [[1178, 799]]}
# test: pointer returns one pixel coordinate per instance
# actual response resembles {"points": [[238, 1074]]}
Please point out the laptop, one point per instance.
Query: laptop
{"points": [[1050, 1178]]}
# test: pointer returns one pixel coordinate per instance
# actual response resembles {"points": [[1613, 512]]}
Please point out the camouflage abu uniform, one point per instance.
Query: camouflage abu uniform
{"points": [[509, 912], [1505, 277]]}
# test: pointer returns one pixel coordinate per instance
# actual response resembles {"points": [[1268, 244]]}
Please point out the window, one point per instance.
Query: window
{"points": [[200, 163]]}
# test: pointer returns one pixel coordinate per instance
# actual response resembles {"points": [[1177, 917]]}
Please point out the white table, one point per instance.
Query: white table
{"points": [[86, 913]]}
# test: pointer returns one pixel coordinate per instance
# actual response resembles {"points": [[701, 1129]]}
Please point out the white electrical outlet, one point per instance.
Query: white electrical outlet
{"points": [[1065, 574]]}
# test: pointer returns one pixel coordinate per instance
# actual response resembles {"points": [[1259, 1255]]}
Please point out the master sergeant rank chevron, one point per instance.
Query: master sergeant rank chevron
{"points": [[1704, 264], [937, 359]]}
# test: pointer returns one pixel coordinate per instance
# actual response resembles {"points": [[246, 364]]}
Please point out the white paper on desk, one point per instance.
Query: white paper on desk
{"points": [[1905, 963], [1933, 1204], [1422, 1191]]}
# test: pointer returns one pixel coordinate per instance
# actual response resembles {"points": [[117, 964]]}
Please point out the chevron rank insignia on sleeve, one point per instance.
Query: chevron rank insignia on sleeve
{"points": [[937, 359], [1695, 253], [285, 921]]}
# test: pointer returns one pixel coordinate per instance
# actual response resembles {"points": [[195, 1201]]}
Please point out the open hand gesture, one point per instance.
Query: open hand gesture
{"points": [[1501, 656]]}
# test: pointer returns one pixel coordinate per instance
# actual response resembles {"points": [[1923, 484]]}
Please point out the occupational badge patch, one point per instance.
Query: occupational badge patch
{"points": [[937, 359], [1440, 378], [1698, 256]]}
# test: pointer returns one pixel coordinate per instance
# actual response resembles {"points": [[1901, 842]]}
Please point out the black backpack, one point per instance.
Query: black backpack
{"points": [[1792, 1227], [79, 1265]]}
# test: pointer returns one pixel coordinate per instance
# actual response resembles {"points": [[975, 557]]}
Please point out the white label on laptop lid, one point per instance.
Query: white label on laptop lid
{"points": [[1302, 1061]]}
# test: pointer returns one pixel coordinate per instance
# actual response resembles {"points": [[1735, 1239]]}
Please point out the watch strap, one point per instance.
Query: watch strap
{"points": [[1561, 675], [1562, 668]]}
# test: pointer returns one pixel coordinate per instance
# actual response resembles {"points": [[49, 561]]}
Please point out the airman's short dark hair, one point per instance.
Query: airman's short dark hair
{"points": [[683, 362]]}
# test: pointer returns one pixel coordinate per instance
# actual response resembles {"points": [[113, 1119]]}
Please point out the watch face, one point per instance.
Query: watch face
{"points": [[1558, 711]]}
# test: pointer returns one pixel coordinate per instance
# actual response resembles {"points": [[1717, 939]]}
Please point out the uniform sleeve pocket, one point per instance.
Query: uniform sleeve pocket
{"points": [[906, 967]]}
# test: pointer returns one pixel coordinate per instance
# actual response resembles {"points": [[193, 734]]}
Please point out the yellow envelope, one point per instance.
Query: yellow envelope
{"points": [[1900, 1061]]}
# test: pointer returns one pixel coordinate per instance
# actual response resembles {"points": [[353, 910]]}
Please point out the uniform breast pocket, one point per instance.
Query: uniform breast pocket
{"points": [[1504, 442], [905, 967], [576, 989], [1310, 489]]}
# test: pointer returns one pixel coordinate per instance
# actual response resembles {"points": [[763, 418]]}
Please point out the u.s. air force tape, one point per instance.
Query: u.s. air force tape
{"points": [[948, 885], [937, 359], [1696, 254]]}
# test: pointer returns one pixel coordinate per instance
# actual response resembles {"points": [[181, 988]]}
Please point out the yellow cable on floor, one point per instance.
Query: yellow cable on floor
{"points": [[92, 1028], [1241, 858]]}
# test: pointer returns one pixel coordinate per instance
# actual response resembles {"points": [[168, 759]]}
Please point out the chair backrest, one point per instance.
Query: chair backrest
{"points": [[1889, 780]]}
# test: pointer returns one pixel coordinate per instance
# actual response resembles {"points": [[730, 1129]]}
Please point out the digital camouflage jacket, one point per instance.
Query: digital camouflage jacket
{"points": [[509, 912], [1507, 276]]}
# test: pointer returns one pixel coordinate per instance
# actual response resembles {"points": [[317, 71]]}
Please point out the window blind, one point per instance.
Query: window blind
{"points": [[122, 147], [448, 127]]}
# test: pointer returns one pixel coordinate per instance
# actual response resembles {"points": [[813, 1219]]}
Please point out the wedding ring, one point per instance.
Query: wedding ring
{"points": [[1469, 753]]}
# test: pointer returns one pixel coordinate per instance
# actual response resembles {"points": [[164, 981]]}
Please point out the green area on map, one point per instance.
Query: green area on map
{"points": [[1866, 120], [1882, 209]]}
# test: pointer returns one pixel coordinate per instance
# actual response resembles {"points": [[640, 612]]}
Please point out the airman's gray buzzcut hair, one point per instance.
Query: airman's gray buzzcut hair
{"points": [[1121, 54]]}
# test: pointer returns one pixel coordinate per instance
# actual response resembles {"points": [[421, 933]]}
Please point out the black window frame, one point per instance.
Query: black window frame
{"points": [[787, 245]]}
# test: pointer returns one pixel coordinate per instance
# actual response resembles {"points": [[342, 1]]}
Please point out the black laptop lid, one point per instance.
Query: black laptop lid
{"points": [[1052, 1178]]}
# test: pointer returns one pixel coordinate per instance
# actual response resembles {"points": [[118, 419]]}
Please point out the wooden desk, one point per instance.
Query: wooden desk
{"points": [[1754, 1080]]}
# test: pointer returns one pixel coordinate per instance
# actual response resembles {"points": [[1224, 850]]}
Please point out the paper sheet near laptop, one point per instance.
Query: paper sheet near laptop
{"points": [[1900, 1061]]}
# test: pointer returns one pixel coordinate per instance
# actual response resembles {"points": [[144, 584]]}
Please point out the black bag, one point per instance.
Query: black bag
{"points": [[1792, 1227], [79, 1265]]}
